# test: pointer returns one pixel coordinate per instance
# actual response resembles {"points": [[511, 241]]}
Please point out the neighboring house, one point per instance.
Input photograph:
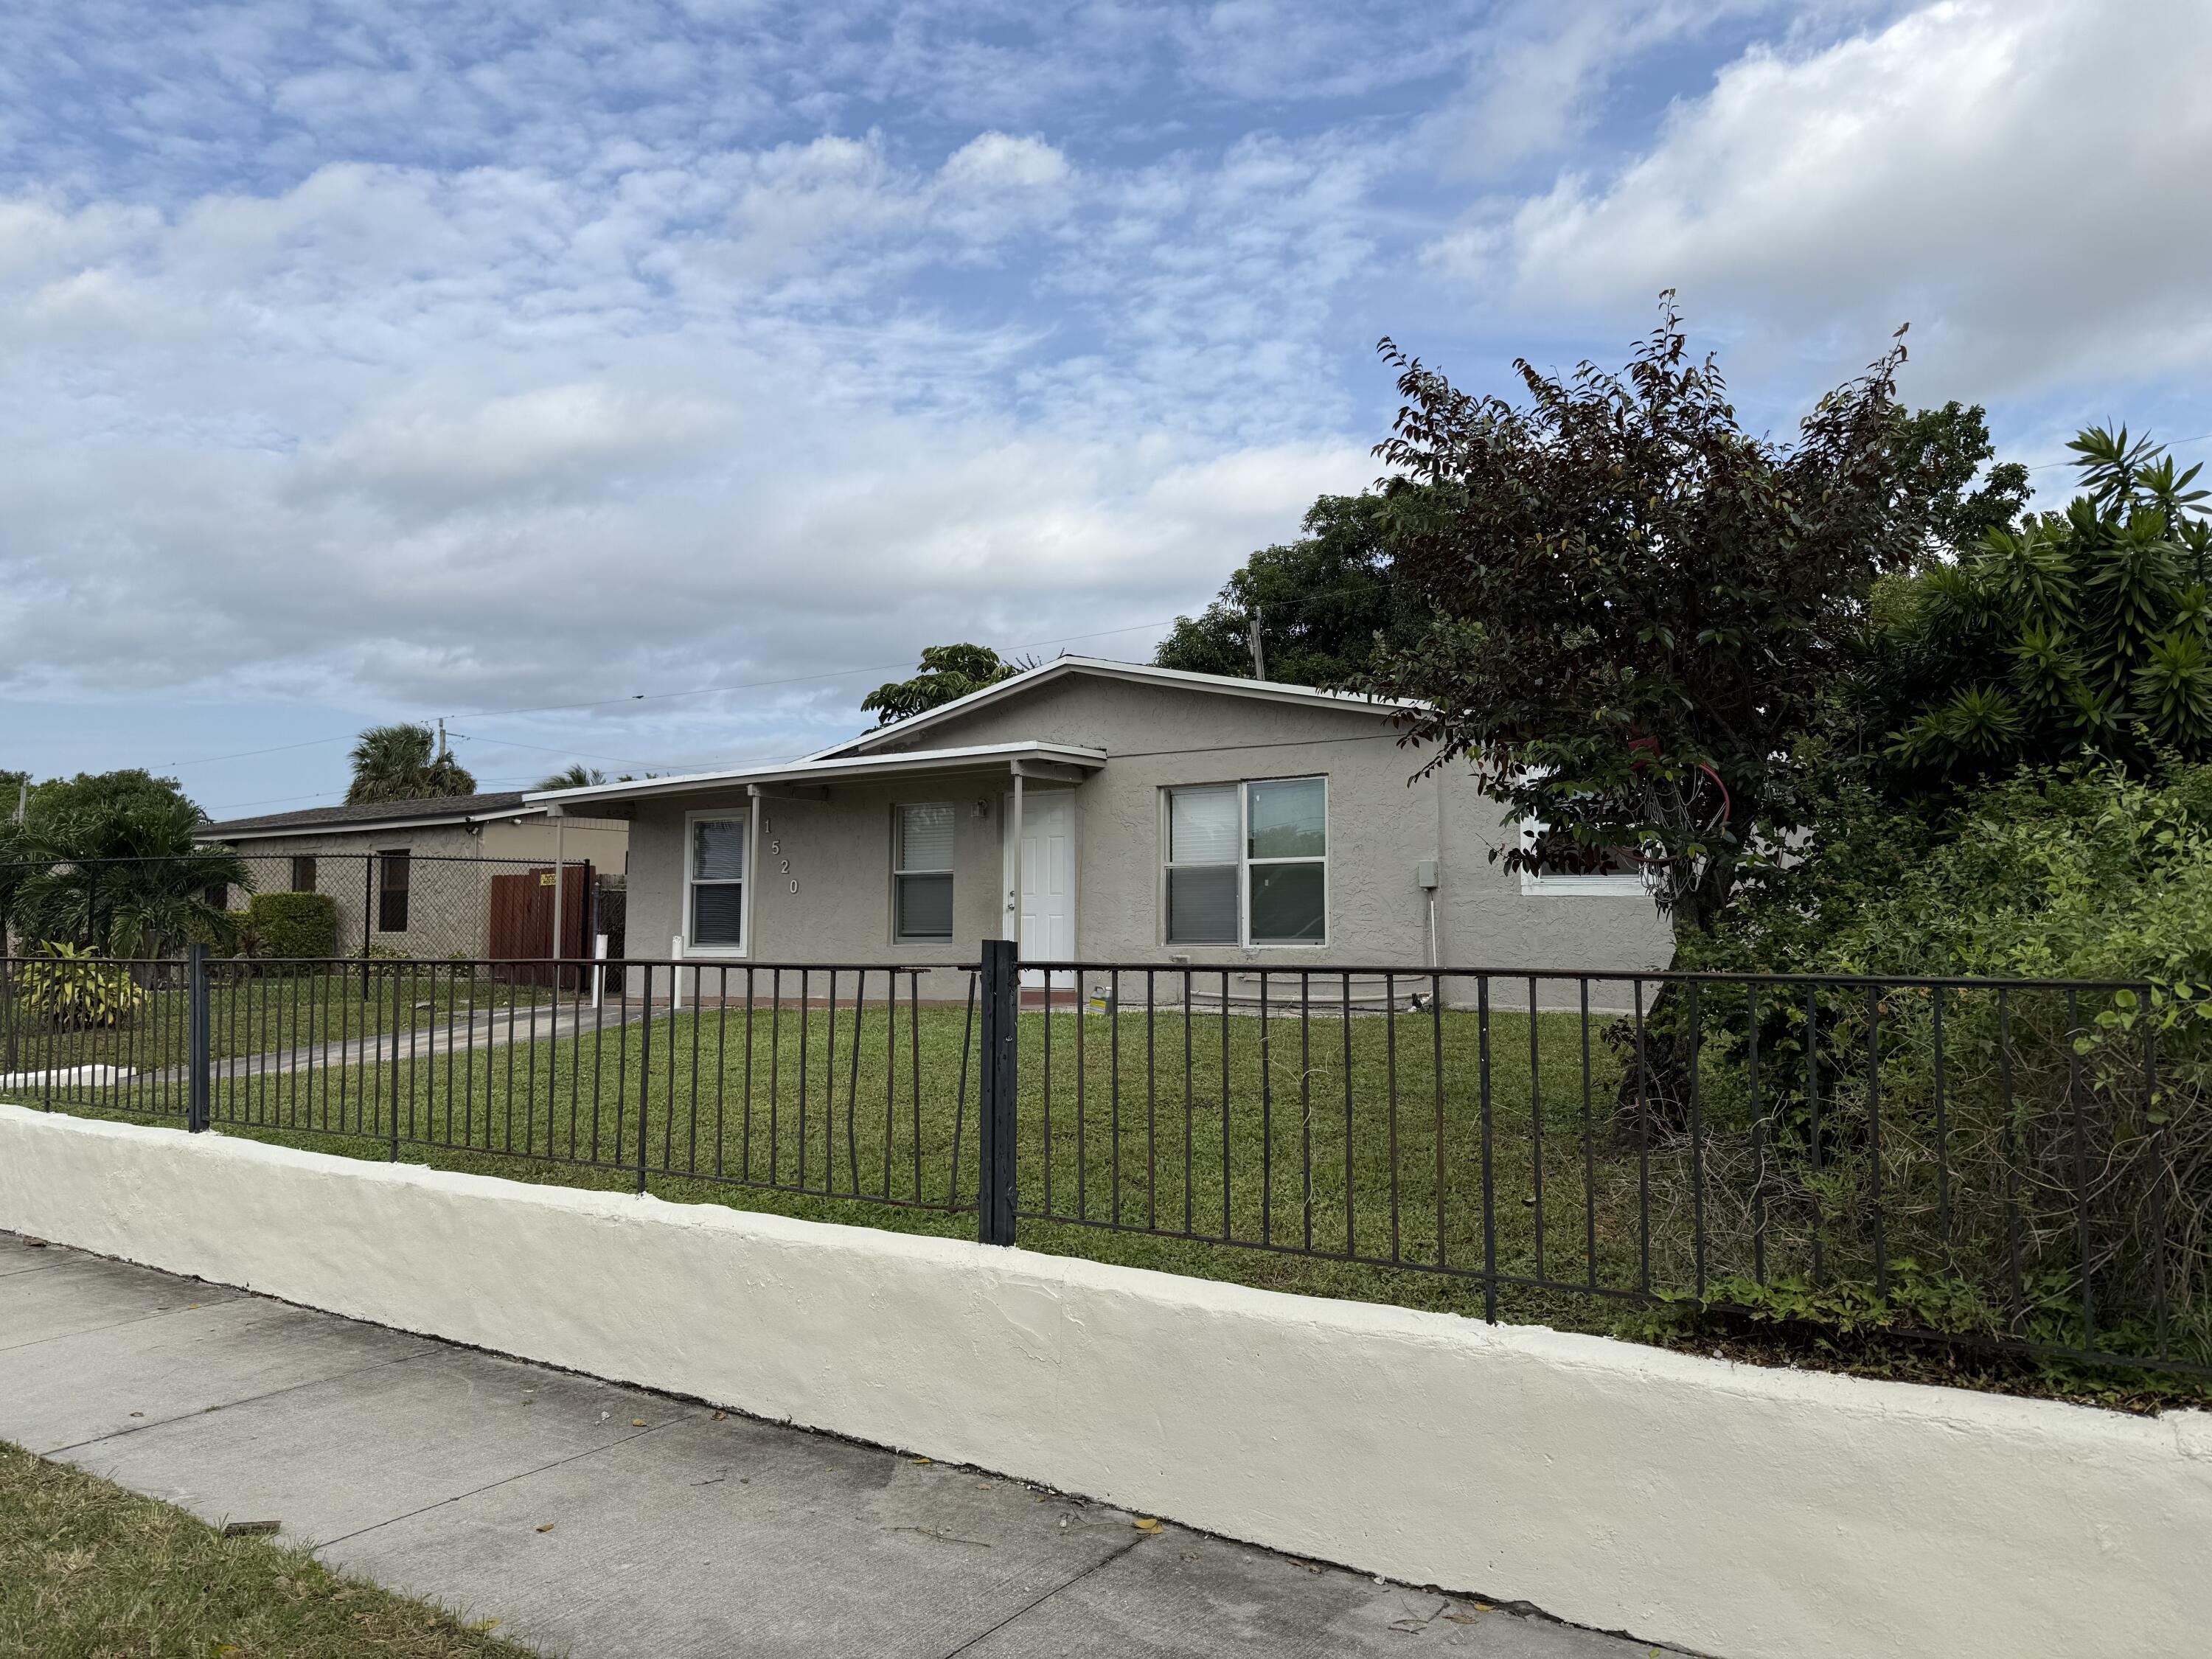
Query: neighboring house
{"points": [[1162, 817], [415, 876]]}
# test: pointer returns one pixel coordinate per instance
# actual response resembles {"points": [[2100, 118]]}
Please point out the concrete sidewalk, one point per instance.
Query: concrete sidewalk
{"points": [[591, 1519]]}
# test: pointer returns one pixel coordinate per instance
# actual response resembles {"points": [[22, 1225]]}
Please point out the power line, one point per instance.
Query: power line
{"points": [[707, 690], [656, 696]]}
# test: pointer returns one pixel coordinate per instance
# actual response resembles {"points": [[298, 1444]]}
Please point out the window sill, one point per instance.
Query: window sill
{"points": [[1254, 945], [1584, 886]]}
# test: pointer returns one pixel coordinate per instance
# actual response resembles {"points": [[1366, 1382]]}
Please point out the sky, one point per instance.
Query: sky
{"points": [[642, 381]]}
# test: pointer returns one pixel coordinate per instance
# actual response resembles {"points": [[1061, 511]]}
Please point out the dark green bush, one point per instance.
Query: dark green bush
{"points": [[2032, 1162], [293, 924]]}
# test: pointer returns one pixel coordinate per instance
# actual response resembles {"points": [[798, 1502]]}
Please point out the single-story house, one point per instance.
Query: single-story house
{"points": [[1109, 812], [414, 878]]}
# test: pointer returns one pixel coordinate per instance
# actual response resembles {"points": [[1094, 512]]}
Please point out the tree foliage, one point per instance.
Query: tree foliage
{"points": [[1321, 601], [403, 761], [2083, 631], [1636, 605], [108, 861], [948, 672], [574, 775]]}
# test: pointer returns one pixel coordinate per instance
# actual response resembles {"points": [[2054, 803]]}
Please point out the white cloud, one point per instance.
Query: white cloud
{"points": [[412, 437], [2018, 177]]}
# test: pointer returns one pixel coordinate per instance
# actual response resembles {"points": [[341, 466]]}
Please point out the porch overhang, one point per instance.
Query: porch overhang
{"points": [[1054, 762]]}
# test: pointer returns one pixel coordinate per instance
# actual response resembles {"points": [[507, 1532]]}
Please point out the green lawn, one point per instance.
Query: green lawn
{"points": [[250, 1013], [86, 1568]]}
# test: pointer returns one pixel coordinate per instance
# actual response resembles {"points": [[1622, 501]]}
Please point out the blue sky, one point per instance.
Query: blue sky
{"points": [[539, 364]]}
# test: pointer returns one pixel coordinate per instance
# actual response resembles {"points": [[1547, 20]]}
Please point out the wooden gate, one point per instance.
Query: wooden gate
{"points": [[521, 931]]}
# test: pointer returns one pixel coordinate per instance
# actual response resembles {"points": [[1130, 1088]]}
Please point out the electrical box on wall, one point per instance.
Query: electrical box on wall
{"points": [[1424, 874]]}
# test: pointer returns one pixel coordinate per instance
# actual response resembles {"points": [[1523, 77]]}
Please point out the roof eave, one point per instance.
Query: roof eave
{"points": [[986, 758], [364, 826]]}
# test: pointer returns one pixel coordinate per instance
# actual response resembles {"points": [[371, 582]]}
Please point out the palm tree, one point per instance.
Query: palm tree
{"points": [[129, 879], [574, 775], [404, 761]]}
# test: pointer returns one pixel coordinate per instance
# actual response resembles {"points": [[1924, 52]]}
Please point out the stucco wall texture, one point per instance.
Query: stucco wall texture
{"points": [[1747, 1513], [1383, 823]]}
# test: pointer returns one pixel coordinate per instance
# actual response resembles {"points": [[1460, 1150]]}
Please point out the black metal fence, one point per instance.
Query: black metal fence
{"points": [[2023, 1166]]}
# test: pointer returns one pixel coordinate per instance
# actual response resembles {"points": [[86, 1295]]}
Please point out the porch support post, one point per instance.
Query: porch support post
{"points": [[755, 798], [1014, 853]]}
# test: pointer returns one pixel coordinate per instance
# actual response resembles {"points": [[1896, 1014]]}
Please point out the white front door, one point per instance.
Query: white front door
{"points": [[1044, 903]]}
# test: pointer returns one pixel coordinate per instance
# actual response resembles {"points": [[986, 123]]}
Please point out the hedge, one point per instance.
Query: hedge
{"points": [[294, 924]]}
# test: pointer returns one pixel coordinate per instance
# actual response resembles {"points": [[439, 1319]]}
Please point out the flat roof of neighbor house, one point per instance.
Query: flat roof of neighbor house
{"points": [[812, 771], [376, 815]]}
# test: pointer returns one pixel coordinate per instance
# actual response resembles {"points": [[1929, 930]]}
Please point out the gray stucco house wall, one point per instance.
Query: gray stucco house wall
{"points": [[823, 886]]}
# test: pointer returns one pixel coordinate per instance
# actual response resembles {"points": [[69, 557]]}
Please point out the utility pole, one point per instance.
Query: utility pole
{"points": [[441, 736], [1259, 656]]}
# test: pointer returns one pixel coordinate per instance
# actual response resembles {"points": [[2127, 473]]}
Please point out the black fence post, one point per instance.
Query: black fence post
{"points": [[397, 992], [368, 917], [994, 1123], [645, 1060], [199, 1063]]}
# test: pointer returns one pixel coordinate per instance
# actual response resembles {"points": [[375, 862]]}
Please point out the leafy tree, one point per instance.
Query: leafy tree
{"points": [[1639, 612], [948, 672], [575, 775], [404, 761], [1321, 601], [1943, 453], [90, 794], [2080, 632]]}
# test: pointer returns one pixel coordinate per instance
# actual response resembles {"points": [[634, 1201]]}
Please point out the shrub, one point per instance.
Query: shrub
{"points": [[2037, 1163], [294, 925], [73, 989]]}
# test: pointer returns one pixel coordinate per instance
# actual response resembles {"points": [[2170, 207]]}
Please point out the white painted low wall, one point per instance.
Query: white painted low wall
{"points": [[1748, 1513]]}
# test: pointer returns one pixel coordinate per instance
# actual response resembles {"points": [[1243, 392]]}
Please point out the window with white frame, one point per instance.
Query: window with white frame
{"points": [[921, 872], [1568, 866], [715, 882], [1248, 863]]}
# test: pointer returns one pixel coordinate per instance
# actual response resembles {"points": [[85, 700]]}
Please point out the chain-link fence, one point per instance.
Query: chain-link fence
{"points": [[398, 904]]}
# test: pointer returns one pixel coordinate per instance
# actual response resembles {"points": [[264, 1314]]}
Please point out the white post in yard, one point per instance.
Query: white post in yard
{"points": [[560, 883], [599, 974], [676, 975]]}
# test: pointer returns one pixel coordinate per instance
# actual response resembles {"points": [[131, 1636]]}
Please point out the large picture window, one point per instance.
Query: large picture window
{"points": [[921, 872], [1248, 864], [716, 883]]}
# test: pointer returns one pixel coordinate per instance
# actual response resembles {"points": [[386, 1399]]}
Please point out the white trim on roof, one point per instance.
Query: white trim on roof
{"points": [[1143, 673], [813, 770]]}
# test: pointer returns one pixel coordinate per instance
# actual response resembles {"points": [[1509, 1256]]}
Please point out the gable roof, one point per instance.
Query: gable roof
{"points": [[375, 815], [1106, 667]]}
